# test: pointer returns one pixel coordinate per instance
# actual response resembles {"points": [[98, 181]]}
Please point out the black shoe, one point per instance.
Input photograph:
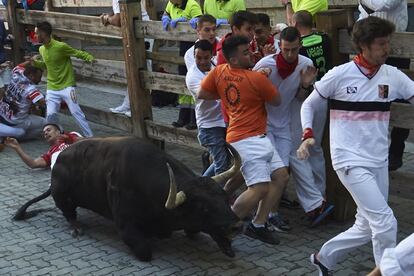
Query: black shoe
{"points": [[279, 224], [183, 117], [290, 204], [323, 270], [261, 233], [191, 126]]}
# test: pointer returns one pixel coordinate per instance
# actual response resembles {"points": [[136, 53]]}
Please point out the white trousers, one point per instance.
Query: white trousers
{"points": [[309, 174], [30, 128], [375, 220], [399, 261], [68, 95]]}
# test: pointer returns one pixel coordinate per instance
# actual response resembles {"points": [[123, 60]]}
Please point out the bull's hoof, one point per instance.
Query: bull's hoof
{"points": [[76, 232], [144, 255], [228, 252]]}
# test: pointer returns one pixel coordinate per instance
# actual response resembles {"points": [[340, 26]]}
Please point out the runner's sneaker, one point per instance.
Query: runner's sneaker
{"points": [[279, 224], [261, 233], [128, 113], [119, 110], [319, 214], [323, 270]]}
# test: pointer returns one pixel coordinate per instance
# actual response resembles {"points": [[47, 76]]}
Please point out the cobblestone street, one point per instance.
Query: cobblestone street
{"points": [[42, 245]]}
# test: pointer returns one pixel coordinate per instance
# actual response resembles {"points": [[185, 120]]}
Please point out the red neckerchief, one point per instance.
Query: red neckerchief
{"points": [[284, 68], [366, 68]]}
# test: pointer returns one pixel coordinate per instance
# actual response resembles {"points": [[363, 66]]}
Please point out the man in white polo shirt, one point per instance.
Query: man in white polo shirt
{"points": [[210, 123], [292, 74], [360, 94]]}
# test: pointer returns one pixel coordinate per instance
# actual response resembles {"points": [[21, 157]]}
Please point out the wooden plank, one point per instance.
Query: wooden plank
{"points": [[168, 133], [402, 44], [164, 57], [17, 31], [81, 3], [401, 184], [134, 55], [104, 70], [183, 32], [402, 115], [164, 82], [75, 23], [104, 117]]}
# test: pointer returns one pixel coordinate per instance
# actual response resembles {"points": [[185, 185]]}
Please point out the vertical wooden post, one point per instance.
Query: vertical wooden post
{"points": [[17, 32], [134, 56], [330, 22]]}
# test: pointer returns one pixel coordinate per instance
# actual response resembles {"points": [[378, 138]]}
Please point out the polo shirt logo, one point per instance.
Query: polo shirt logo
{"points": [[383, 91], [351, 89]]}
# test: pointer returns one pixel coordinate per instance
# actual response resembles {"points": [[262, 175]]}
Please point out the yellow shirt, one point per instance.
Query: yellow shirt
{"points": [[223, 9], [312, 6], [192, 9]]}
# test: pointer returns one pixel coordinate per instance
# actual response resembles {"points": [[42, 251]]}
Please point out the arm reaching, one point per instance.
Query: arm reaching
{"points": [[306, 113], [77, 53], [29, 161]]}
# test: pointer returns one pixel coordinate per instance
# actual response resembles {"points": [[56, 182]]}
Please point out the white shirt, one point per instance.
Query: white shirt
{"points": [[360, 112], [144, 14], [208, 112], [189, 56], [21, 93], [278, 117], [391, 10]]}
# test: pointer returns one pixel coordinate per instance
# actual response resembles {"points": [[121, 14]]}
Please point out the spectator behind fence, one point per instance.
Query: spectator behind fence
{"points": [[21, 94], [244, 94], [396, 12], [114, 19], [211, 127], [27, 4], [223, 10], [309, 175], [183, 11], [56, 59], [293, 76], [312, 6], [360, 93]]}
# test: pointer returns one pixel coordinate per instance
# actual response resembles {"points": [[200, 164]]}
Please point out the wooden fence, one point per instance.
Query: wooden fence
{"points": [[141, 81]]}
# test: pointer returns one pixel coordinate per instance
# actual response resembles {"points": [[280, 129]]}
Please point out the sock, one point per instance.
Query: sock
{"points": [[258, 225]]}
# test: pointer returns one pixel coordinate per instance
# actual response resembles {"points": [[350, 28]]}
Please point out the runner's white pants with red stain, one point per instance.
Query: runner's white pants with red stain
{"points": [[68, 95], [375, 220]]}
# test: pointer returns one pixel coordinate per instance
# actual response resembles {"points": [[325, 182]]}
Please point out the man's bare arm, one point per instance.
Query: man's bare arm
{"points": [[29, 161]]}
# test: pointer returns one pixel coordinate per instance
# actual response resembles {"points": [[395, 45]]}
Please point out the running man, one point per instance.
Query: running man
{"points": [[360, 94], [244, 94], [60, 76]]}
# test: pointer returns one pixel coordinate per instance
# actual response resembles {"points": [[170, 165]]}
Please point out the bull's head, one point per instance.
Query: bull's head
{"points": [[208, 207]]}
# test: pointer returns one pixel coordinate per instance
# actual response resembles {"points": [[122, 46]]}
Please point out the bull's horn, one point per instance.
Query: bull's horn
{"points": [[174, 199], [225, 176]]}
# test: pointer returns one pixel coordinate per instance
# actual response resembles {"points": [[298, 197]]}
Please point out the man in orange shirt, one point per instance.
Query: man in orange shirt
{"points": [[244, 94]]}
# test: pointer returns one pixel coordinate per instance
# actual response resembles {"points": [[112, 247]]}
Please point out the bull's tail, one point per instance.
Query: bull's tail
{"points": [[21, 213]]}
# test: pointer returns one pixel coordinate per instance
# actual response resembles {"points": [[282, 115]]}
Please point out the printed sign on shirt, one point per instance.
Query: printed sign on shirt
{"points": [[383, 91]]}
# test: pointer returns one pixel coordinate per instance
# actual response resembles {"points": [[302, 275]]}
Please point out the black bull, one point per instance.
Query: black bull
{"points": [[133, 183]]}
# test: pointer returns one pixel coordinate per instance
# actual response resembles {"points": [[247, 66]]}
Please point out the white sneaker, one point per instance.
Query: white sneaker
{"points": [[119, 110], [128, 113]]}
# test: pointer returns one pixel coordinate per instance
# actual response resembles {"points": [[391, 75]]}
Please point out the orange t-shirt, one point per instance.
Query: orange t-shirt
{"points": [[243, 93]]}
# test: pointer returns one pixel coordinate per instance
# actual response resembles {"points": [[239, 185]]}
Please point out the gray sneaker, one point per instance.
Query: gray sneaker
{"points": [[279, 224], [323, 270]]}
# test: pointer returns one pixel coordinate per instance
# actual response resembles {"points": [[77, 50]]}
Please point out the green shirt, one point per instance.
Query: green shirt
{"points": [[223, 9], [192, 9], [56, 60], [312, 6]]}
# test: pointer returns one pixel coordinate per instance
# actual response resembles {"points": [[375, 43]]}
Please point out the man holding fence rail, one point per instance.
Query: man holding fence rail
{"points": [[56, 58], [360, 93]]}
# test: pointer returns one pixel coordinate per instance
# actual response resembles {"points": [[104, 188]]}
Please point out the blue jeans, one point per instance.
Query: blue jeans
{"points": [[214, 139]]}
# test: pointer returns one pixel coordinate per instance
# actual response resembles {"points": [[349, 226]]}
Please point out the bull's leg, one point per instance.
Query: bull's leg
{"points": [[224, 244], [136, 241], [65, 203]]}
